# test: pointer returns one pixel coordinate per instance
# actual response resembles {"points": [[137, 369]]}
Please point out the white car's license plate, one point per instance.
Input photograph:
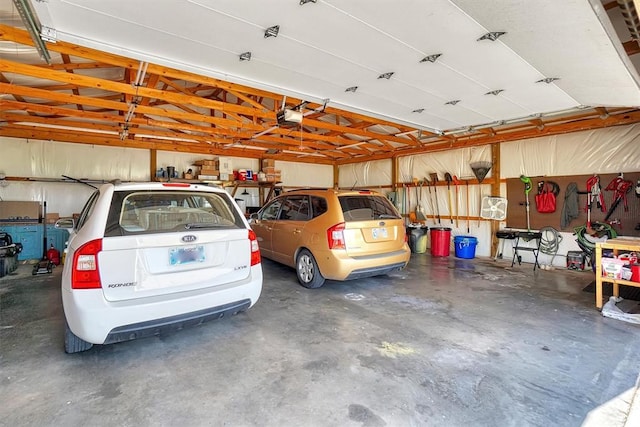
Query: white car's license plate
{"points": [[185, 255], [379, 233]]}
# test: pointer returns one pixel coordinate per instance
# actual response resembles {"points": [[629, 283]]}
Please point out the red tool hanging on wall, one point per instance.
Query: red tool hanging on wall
{"points": [[595, 195], [620, 188]]}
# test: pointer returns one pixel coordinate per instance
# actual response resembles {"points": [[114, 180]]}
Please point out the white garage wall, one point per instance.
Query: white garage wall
{"points": [[305, 174], [50, 160], [366, 174], [47, 159], [610, 150]]}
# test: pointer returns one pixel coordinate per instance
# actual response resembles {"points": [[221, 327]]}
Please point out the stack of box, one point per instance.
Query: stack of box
{"points": [[269, 169], [209, 169]]}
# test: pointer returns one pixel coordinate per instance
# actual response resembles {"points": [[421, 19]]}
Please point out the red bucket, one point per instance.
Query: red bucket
{"points": [[635, 272], [440, 241]]}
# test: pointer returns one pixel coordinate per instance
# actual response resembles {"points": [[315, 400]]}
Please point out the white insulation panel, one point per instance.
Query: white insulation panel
{"points": [[47, 159], [610, 150]]}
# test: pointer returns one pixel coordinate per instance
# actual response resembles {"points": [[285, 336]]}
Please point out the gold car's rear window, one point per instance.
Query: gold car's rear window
{"points": [[367, 207]]}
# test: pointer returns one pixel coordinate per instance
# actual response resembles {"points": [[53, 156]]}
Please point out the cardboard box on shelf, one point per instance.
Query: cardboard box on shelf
{"points": [[268, 169], [52, 217], [208, 177], [207, 162], [268, 163], [209, 171], [19, 211]]}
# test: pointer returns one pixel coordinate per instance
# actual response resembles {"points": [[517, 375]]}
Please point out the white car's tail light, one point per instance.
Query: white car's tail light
{"points": [[85, 273], [335, 236], [255, 249]]}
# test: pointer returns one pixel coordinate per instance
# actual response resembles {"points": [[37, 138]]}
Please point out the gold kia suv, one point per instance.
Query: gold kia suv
{"points": [[332, 234]]}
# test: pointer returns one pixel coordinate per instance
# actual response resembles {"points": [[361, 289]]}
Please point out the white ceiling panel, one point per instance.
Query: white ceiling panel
{"points": [[326, 46]]}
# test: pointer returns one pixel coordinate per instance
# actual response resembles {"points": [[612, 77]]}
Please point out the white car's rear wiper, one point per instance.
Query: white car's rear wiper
{"points": [[201, 225]]}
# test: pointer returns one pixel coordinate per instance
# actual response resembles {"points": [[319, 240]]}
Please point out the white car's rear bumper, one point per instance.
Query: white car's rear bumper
{"points": [[92, 318]]}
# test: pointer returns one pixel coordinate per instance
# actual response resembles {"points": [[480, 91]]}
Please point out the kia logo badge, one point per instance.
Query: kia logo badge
{"points": [[189, 238]]}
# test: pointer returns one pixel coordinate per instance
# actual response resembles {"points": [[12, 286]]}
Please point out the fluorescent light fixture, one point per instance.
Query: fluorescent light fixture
{"points": [[272, 31], [431, 58], [386, 75], [492, 35], [142, 71], [33, 26]]}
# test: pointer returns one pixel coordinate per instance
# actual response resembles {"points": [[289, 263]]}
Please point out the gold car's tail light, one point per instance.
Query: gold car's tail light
{"points": [[335, 236]]}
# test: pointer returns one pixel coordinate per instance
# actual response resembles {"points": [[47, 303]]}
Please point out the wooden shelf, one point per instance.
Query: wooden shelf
{"points": [[631, 244]]}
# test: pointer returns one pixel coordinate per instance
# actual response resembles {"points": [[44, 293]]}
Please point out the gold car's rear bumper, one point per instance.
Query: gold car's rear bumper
{"points": [[338, 265]]}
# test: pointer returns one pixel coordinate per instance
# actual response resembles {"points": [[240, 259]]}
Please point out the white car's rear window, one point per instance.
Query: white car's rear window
{"points": [[141, 212]]}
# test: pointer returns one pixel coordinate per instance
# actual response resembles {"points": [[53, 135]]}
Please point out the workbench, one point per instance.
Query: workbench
{"points": [[631, 244]]}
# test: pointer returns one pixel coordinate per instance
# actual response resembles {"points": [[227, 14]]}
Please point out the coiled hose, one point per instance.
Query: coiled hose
{"points": [[550, 242], [587, 242]]}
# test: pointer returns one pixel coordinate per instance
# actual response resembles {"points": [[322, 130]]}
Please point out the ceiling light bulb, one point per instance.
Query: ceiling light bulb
{"points": [[418, 110], [245, 56], [494, 92], [386, 75], [351, 89], [303, 2], [492, 35], [454, 102], [272, 31]]}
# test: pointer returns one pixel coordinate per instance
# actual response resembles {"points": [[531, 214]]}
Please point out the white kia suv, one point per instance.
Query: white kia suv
{"points": [[144, 258]]}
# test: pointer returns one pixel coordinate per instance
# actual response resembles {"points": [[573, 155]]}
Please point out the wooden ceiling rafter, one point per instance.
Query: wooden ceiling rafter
{"points": [[182, 108]]}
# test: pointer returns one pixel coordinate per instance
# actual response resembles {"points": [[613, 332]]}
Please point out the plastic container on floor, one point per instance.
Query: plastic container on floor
{"points": [[417, 236], [465, 246], [440, 241]]}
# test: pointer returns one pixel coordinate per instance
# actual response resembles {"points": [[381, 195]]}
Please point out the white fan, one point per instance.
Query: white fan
{"points": [[493, 208]]}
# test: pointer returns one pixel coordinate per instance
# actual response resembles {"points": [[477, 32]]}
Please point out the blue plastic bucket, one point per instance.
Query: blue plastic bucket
{"points": [[465, 246]]}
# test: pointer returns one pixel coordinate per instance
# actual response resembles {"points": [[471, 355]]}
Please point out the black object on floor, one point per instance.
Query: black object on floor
{"points": [[626, 292]]}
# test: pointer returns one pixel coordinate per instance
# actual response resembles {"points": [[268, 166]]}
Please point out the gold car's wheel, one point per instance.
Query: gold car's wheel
{"points": [[308, 273]]}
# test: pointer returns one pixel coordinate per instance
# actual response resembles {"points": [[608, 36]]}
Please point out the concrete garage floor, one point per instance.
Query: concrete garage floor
{"points": [[447, 342]]}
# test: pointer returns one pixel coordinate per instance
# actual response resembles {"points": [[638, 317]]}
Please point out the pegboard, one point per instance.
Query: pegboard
{"points": [[516, 213]]}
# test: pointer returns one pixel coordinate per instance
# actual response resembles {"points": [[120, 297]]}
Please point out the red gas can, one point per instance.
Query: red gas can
{"points": [[53, 255]]}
